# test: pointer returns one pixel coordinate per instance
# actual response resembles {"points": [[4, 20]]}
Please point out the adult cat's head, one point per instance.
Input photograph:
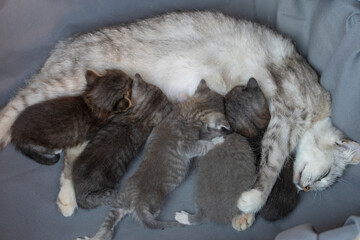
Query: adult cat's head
{"points": [[322, 155], [108, 93]]}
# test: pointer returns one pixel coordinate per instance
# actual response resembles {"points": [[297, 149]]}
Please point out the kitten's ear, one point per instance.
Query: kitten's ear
{"points": [[138, 80], [252, 83], [92, 76], [351, 146], [124, 104], [202, 87]]}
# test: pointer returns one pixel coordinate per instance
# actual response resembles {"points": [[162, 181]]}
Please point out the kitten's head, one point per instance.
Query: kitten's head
{"points": [[209, 107], [149, 102], [322, 155], [108, 93], [247, 109]]}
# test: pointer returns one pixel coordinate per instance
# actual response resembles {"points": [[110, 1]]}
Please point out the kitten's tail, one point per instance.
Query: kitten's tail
{"points": [[115, 215], [148, 219]]}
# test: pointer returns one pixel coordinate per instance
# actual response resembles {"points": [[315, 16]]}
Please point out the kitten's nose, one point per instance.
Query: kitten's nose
{"points": [[307, 188]]}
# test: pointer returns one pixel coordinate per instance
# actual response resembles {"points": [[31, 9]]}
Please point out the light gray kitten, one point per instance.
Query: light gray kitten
{"points": [[166, 158], [222, 174], [175, 50]]}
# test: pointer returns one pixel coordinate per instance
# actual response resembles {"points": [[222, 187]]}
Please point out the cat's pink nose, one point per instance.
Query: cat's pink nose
{"points": [[307, 188]]}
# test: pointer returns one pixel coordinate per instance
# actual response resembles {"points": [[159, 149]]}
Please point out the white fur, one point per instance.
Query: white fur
{"points": [[319, 152], [66, 200], [182, 217], [250, 201]]}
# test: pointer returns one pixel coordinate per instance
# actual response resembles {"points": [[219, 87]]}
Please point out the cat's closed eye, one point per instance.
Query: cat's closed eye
{"points": [[324, 175]]}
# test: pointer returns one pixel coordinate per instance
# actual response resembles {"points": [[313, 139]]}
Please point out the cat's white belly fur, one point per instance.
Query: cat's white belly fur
{"points": [[178, 76]]}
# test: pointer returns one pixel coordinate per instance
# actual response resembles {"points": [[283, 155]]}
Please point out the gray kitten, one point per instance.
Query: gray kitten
{"points": [[166, 158], [223, 174]]}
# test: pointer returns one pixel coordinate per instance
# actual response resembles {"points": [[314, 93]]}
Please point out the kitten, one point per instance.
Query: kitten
{"points": [[166, 158], [248, 114], [98, 169], [50, 126], [226, 52], [229, 169], [284, 196]]}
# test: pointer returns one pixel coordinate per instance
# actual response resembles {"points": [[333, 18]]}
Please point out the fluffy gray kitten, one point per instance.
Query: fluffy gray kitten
{"points": [[166, 158], [223, 174]]}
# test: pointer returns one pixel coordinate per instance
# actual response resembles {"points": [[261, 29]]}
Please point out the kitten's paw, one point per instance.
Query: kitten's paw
{"points": [[250, 201], [66, 200], [182, 217], [217, 140], [243, 221]]}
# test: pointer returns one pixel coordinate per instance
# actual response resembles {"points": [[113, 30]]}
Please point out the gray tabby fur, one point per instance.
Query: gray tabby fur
{"points": [[175, 50], [172, 144]]}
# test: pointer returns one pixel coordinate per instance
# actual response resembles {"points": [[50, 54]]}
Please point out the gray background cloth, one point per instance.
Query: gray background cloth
{"points": [[326, 32]]}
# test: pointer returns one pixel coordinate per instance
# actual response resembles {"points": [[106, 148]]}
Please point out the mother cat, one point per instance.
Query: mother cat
{"points": [[175, 51]]}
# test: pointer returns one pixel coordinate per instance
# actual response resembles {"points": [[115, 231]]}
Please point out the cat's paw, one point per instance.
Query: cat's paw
{"points": [[182, 217], [243, 221], [217, 140], [250, 201], [5, 139], [66, 200]]}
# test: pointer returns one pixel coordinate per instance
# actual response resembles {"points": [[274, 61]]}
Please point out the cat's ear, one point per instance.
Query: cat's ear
{"points": [[92, 76], [352, 147], [124, 104], [138, 80], [252, 83], [202, 87]]}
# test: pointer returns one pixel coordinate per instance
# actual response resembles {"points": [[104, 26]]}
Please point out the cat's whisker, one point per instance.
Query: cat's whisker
{"points": [[345, 182]]}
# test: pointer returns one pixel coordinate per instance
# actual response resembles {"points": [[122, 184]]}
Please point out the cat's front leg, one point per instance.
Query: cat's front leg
{"points": [[66, 200], [274, 152]]}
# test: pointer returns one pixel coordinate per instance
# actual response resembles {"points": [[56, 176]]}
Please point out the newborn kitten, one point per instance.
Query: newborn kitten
{"points": [[229, 169], [99, 168], [50, 126], [167, 154], [248, 114]]}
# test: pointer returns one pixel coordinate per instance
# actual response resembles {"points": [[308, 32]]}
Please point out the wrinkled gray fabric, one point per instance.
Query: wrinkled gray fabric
{"points": [[326, 32], [349, 231]]}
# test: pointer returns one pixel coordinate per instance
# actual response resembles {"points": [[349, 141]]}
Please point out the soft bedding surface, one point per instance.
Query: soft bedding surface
{"points": [[327, 33]]}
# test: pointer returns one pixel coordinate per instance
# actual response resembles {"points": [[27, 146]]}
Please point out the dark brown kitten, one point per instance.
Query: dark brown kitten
{"points": [[50, 126], [248, 114], [99, 168]]}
